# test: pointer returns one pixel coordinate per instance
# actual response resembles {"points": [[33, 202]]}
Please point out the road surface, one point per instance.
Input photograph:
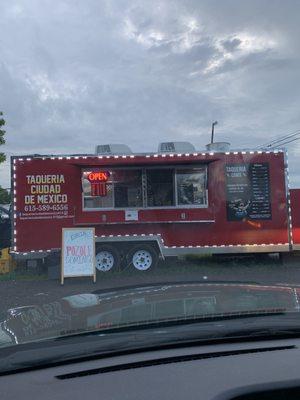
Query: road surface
{"points": [[16, 293]]}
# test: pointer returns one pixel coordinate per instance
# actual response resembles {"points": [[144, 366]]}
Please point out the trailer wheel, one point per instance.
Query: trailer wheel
{"points": [[107, 257], [143, 257]]}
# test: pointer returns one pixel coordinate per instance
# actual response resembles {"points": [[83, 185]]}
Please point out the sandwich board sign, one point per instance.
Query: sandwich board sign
{"points": [[78, 253]]}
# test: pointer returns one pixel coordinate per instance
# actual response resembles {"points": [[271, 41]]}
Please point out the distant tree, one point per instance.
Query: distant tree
{"points": [[4, 194]]}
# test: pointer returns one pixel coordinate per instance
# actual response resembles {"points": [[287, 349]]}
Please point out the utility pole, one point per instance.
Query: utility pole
{"points": [[213, 131]]}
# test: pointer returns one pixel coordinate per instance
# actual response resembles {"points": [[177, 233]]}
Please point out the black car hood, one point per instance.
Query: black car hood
{"points": [[130, 306]]}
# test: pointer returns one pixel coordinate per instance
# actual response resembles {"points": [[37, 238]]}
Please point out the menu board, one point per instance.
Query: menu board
{"points": [[248, 191], [78, 253]]}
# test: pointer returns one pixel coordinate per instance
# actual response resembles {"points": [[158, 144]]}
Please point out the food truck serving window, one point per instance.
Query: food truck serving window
{"points": [[128, 188], [191, 186], [160, 187], [144, 188]]}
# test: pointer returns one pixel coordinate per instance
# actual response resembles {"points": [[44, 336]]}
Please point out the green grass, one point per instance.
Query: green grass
{"points": [[194, 264]]}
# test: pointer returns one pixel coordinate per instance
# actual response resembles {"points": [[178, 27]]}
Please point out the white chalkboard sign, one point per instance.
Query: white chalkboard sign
{"points": [[78, 253]]}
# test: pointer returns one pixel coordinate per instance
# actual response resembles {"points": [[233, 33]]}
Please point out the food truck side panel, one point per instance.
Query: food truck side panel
{"points": [[212, 226], [295, 205], [246, 202], [42, 208]]}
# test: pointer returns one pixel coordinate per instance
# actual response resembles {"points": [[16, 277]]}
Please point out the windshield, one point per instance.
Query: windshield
{"points": [[149, 169]]}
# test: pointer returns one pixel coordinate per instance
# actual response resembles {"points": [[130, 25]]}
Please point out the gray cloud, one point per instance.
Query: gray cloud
{"points": [[140, 72], [231, 44]]}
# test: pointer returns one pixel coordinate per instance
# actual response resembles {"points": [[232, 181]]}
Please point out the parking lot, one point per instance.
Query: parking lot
{"points": [[22, 289]]}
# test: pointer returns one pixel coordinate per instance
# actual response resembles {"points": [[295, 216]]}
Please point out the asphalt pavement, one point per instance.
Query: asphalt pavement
{"points": [[264, 270]]}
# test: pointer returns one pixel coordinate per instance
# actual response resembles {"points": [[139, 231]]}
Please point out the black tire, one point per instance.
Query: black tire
{"points": [[142, 257], [109, 260]]}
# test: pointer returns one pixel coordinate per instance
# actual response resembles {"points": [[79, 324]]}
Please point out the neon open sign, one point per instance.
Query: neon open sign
{"points": [[98, 176], [98, 180]]}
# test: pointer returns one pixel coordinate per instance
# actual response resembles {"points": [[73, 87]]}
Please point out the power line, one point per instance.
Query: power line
{"points": [[277, 141], [285, 143]]}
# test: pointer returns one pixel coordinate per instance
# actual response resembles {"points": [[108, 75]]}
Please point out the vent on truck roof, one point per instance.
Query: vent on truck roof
{"points": [[176, 147], [218, 146], [103, 149]]}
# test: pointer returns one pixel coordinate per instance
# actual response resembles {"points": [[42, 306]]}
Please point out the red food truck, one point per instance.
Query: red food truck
{"points": [[295, 212], [148, 205]]}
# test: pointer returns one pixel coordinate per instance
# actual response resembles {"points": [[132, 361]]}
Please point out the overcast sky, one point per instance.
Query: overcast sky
{"points": [[74, 74]]}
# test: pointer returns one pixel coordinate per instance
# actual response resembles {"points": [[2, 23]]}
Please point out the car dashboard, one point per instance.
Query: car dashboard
{"points": [[233, 371]]}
